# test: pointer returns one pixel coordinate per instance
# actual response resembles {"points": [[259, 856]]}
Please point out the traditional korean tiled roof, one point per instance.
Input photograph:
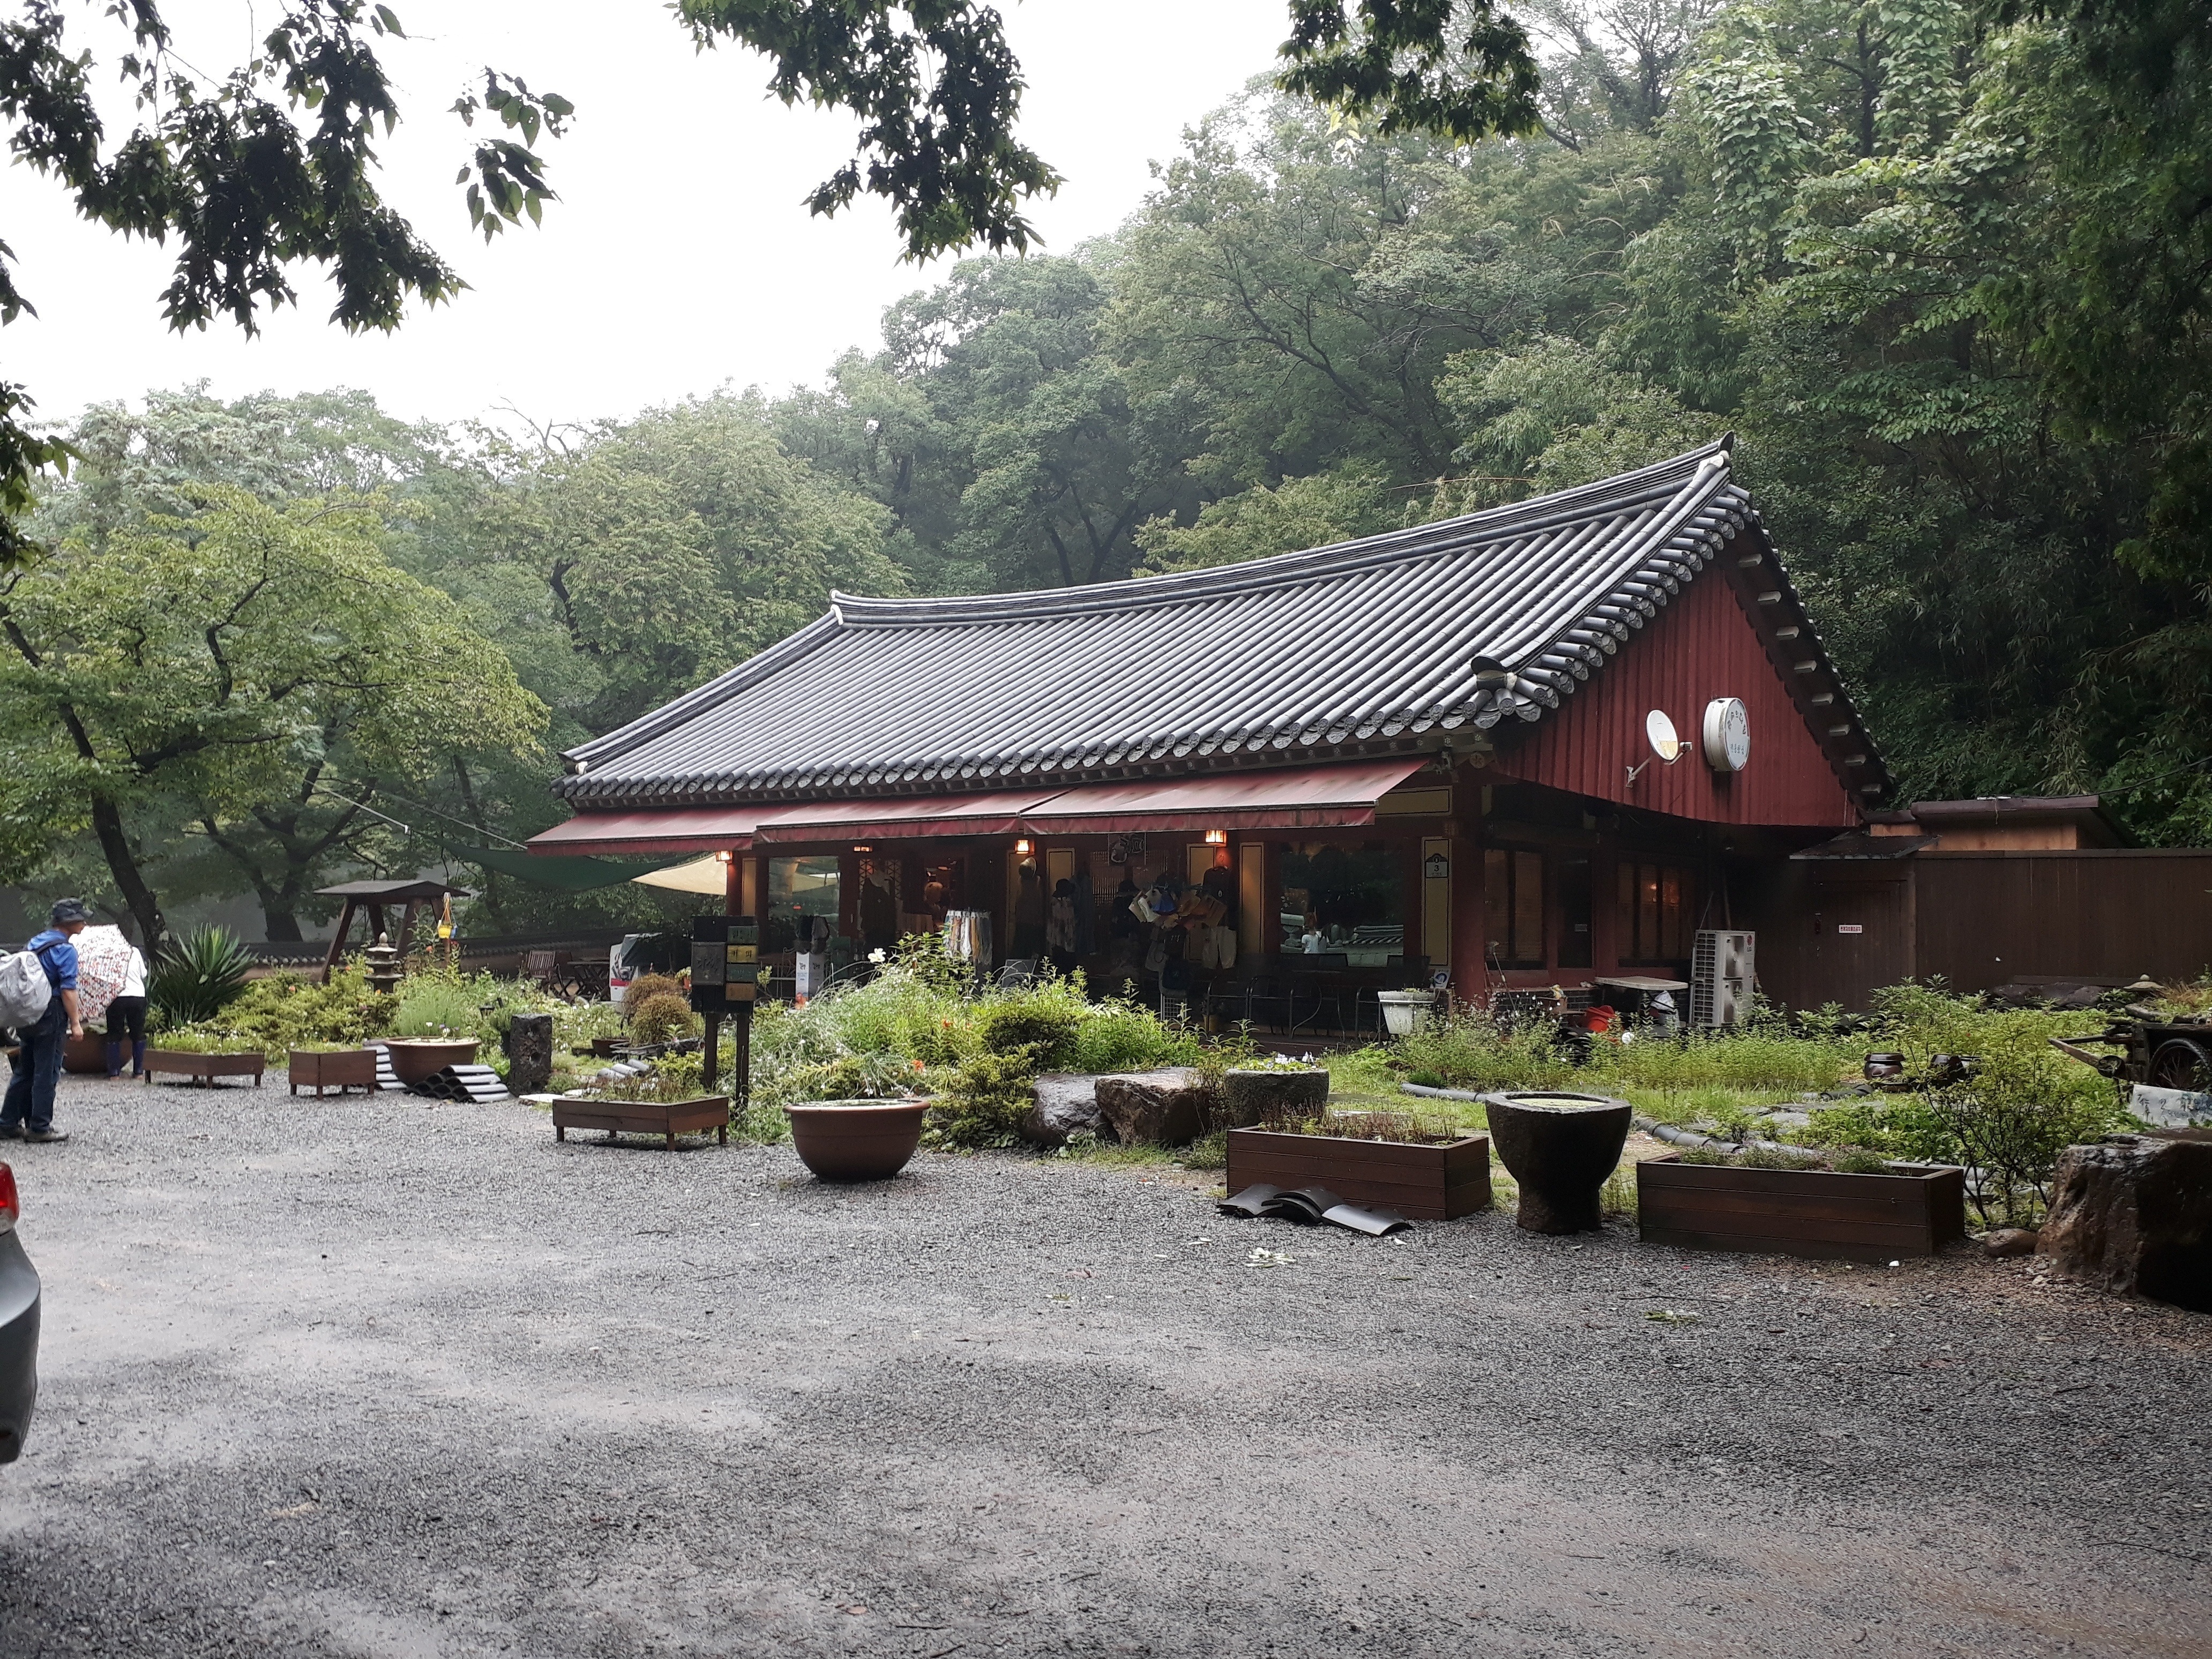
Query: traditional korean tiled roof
{"points": [[1392, 643]]}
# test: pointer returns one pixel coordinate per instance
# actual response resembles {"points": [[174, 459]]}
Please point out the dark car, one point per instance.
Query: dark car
{"points": [[18, 1326]]}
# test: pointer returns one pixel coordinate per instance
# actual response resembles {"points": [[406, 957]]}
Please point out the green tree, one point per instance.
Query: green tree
{"points": [[1299, 513], [271, 165], [624, 562], [263, 669]]}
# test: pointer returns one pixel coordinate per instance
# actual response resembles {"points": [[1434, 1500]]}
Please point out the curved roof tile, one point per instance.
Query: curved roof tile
{"points": [[1365, 647]]}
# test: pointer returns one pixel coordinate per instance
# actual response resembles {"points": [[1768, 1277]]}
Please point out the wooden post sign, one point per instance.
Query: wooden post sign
{"points": [[726, 974]]}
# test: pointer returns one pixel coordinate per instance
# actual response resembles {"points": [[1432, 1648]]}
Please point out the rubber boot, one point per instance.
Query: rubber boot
{"points": [[115, 1060], [138, 1058]]}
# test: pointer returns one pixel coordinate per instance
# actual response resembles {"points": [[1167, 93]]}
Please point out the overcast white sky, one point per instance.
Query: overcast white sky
{"points": [[679, 257]]}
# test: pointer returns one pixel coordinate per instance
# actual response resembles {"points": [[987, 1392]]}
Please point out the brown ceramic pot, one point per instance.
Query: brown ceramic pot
{"points": [[1560, 1147], [856, 1140], [414, 1059]]}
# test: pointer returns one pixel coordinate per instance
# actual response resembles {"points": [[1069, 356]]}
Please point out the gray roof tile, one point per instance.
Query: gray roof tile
{"points": [[1368, 647]]}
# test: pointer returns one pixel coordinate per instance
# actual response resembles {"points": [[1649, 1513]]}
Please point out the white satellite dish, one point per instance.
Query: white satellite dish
{"points": [[1665, 742]]}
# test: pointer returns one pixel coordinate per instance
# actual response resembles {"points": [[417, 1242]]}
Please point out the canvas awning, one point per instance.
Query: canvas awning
{"points": [[708, 875], [1283, 798], [677, 829], [985, 812], [1292, 797]]}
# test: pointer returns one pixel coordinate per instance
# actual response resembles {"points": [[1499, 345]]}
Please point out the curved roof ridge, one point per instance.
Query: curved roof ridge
{"points": [[724, 686], [1661, 480]]}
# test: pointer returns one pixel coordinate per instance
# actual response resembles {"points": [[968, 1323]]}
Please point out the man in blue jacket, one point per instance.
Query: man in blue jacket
{"points": [[28, 1112]]}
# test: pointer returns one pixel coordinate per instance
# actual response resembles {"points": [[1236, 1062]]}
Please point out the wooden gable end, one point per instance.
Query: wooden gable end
{"points": [[1701, 646]]}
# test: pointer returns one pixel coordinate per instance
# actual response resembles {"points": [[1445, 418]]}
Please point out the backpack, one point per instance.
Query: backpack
{"points": [[24, 990]]}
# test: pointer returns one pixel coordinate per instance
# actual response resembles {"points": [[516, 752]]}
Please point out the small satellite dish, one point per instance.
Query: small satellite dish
{"points": [[1665, 743]]}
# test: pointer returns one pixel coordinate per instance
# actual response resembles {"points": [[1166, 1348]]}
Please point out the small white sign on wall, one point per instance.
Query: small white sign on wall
{"points": [[1850, 927]]}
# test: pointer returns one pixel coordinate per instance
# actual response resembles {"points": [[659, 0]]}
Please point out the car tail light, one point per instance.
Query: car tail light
{"points": [[11, 1207]]}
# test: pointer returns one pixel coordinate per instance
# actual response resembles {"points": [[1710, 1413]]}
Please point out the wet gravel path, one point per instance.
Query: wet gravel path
{"points": [[411, 1380]]}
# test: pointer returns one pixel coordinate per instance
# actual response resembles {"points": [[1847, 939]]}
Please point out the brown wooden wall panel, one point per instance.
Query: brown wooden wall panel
{"points": [[1795, 907], [1986, 918], [1700, 647]]}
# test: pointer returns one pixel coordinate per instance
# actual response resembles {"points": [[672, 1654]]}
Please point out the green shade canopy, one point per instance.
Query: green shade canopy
{"points": [[570, 875]]}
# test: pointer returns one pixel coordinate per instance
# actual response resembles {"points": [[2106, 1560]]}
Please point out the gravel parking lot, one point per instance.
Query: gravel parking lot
{"points": [[400, 1378]]}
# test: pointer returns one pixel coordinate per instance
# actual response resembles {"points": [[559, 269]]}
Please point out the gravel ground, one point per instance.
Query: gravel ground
{"points": [[336, 1378]]}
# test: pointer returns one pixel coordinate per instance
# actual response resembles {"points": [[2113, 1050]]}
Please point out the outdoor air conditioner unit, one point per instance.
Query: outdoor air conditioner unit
{"points": [[1721, 978]]}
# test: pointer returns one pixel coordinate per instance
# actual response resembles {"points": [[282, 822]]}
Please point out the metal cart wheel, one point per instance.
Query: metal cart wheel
{"points": [[2180, 1064]]}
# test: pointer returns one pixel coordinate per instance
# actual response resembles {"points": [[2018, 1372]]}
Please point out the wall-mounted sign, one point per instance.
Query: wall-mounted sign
{"points": [[1727, 735], [1435, 866], [1850, 927]]}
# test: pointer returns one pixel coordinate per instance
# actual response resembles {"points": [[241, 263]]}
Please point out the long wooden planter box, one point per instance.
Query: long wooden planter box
{"points": [[331, 1068], [1423, 1183], [205, 1067], [643, 1117], [1816, 1213]]}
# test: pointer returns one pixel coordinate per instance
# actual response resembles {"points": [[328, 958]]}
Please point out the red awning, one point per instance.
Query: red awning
{"points": [[685, 829], [984, 813], [1293, 798], [1285, 798]]}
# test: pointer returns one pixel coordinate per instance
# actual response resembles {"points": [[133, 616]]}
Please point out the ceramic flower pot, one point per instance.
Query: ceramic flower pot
{"points": [[414, 1059], [1560, 1147], [1404, 1010], [856, 1140]]}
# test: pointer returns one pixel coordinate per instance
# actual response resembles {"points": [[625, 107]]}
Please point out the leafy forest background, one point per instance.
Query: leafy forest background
{"points": [[1939, 269]]}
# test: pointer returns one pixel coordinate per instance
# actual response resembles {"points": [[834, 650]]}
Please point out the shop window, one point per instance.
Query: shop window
{"points": [[796, 887], [1340, 898], [1513, 906], [1657, 902]]}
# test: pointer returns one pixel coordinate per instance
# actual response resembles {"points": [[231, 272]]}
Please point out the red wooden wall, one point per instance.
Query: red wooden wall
{"points": [[1700, 647]]}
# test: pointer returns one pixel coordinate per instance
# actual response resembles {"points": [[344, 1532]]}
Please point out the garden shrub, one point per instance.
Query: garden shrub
{"points": [[1120, 1036], [2006, 1123], [438, 1003], [1040, 1020], [664, 1017], [286, 1011], [988, 1096], [645, 987]]}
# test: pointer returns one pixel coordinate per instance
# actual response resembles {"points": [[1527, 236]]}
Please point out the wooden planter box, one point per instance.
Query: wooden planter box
{"points": [[645, 1117], [1806, 1213], [1423, 1183], [332, 1068], [204, 1067]]}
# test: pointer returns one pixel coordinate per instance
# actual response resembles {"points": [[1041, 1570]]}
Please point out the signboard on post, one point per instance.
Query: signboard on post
{"points": [[726, 974]]}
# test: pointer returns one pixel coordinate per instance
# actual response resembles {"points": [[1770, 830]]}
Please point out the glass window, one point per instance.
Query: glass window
{"points": [[796, 887], [1344, 899], [1656, 904], [1513, 906]]}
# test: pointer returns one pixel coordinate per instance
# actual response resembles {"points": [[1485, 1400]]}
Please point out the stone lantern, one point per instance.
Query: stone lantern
{"points": [[383, 958]]}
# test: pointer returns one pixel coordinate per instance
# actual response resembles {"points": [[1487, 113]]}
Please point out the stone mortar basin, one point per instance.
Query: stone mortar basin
{"points": [[1560, 1147], [1250, 1097], [856, 1140]]}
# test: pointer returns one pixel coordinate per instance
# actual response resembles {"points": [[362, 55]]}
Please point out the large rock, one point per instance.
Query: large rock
{"points": [[1067, 1104], [1167, 1107], [2133, 1215]]}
